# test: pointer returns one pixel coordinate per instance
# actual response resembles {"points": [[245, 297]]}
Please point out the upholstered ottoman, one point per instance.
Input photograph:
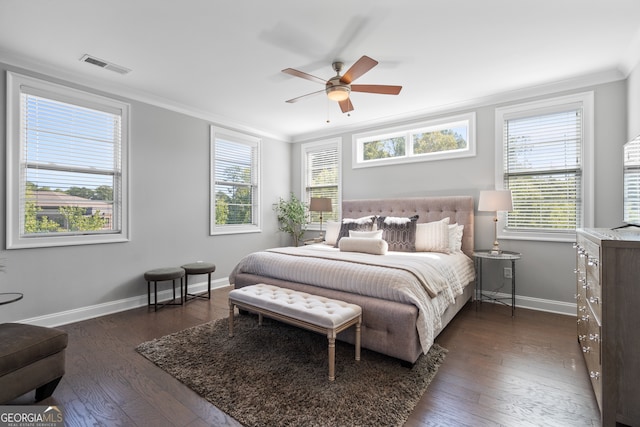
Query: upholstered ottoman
{"points": [[161, 275], [31, 357], [312, 312]]}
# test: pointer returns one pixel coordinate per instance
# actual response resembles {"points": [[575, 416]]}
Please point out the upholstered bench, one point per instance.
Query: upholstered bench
{"points": [[31, 357], [312, 312]]}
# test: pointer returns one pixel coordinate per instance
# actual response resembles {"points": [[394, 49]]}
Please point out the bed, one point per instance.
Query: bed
{"points": [[407, 294]]}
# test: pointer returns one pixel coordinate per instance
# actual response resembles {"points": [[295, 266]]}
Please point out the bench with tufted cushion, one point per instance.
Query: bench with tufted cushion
{"points": [[316, 313]]}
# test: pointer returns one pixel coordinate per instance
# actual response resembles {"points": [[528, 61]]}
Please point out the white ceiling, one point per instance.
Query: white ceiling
{"points": [[222, 59]]}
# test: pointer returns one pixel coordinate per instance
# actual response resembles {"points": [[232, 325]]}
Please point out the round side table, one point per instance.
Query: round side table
{"points": [[9, 297], [487, 254]]}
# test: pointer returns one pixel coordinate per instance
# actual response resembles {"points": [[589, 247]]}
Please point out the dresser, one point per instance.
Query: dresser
{"points": [[608, 303]]}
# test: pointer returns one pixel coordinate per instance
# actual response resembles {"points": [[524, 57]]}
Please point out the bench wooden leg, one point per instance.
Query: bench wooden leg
{"points": [[331, 335], [231, 319], [358, 340]]}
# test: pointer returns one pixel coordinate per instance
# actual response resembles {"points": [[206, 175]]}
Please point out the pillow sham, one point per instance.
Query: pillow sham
{"points": [[455, 237], [364, 223], [377, 234], [398, 232], [433, 236], [363, 244], [331, 233]]}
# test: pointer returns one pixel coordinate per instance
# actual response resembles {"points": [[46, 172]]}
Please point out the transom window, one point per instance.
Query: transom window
{"points": [[445, 138], [235, 191], [66, 162], [545, 153]]}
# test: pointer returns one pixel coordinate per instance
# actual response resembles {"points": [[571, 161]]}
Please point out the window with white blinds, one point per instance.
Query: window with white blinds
{"points": [[321, 164], [631, 182], [235, 197], [68, 182], [543, 164]]}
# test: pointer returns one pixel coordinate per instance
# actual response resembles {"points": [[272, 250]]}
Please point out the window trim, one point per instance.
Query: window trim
{"points": [[585, 100], [360, 138], [316, 146], [15, 83], [240, 138]]}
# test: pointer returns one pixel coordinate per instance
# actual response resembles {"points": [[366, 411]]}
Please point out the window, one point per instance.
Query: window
{"points": [[446, 138], [321, 174], [66, 163], [235, 195], [544, 152]]}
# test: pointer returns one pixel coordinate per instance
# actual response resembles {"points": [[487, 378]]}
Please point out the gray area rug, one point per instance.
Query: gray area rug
{"points": [[276, 375]]}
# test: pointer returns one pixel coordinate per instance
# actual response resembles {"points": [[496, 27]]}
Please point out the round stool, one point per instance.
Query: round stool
{"points": [[161, 275], [198, 268]]}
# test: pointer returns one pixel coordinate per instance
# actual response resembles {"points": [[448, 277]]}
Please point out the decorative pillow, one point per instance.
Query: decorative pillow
{"points": [[455, 237], [364, 223], [366, 234], [331, 233], [398, 232], [433, 236], [363, 244]]}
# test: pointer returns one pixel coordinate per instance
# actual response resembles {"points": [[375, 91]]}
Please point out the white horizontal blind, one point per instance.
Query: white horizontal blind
{"points": [[70, 171], [632, 182], [543, 169], [322, 177], [236, 182]]}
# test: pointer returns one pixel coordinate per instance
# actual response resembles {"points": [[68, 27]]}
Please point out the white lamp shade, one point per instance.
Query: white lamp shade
{"points": [[495, 200]]}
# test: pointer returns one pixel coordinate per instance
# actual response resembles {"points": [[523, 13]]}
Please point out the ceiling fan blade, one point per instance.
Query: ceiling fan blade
{"points": [[381, 89], [346, 105], [361, 66], [304, 75], [300, 98]]}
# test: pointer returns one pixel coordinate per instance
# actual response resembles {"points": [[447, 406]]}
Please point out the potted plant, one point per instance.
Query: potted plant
{"points": [[292, 217]]}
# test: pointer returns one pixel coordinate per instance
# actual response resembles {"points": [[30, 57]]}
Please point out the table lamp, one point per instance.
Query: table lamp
{"points": [[494, 201], [320, 204]]}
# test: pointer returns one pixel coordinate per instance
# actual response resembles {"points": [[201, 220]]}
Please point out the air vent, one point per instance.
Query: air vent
{"points": [[104, 64]]}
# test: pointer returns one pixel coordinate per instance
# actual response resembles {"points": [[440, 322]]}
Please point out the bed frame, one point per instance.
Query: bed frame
{"points": [[389, 327]]}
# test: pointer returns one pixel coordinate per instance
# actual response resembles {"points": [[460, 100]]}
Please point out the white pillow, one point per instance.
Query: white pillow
{"points": [[366, 234], [433, 236], [331, 233], [455, 237], [363, 244]]}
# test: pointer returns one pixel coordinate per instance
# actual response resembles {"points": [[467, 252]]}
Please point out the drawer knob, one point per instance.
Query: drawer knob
{"points": [[586, 349], [594, 337], [585, 318], [595, 375], [594, 300], [582, 338]]}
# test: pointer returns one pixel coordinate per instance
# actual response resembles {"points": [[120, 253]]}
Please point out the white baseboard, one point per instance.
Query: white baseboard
{"points": [[92, 311], [551, 306]]}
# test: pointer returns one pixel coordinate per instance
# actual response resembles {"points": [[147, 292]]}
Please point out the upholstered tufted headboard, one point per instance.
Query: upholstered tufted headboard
{"points": [[459, 209]]}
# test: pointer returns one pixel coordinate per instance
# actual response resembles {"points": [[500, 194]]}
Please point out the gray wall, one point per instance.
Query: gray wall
{"points": [[545, 278], [169, 167], [633, 94], [169, 207]]}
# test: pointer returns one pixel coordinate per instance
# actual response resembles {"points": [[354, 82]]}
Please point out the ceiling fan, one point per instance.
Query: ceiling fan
{"points": [[339, 87]]}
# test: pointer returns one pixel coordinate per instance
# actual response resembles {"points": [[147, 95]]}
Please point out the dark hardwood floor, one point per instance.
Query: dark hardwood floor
{"points": [[500, 371]]}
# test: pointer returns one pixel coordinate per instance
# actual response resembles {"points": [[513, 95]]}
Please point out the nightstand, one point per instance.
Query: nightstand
{"points": [[485, 254]]}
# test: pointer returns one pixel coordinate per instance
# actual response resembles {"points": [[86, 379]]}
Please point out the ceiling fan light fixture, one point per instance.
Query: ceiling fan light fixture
{"points": [[338, 93]]}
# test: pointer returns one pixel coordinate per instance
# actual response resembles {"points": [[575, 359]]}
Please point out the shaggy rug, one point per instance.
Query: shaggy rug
{"points": [[276, 375]]}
